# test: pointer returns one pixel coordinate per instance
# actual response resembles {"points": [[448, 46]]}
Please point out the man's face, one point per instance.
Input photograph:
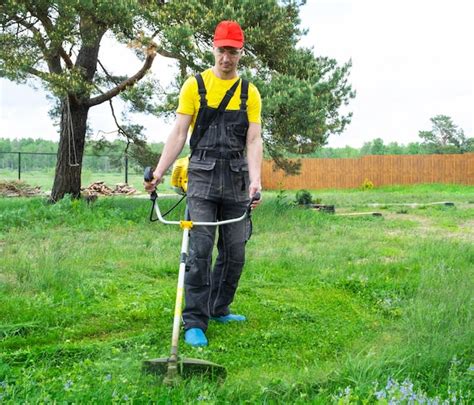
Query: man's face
{"points": [[227, 58]]}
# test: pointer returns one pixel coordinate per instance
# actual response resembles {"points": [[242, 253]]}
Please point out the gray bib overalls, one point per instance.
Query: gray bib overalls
{"points": [[218, 182]]}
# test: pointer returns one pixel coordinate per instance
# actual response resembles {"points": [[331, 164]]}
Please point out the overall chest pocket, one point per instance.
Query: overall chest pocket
{"points": [[209, 138], [236, 136]]}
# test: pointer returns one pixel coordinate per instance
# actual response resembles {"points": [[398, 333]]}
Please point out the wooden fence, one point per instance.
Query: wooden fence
{"points": [[380, 170]]}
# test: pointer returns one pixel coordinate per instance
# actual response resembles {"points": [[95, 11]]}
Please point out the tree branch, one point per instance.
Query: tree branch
{"points": [[49, 28], [107, 73], [43, 17], [38, 73], [67, 60], [151, 51], [166, 54], [35, 31]]}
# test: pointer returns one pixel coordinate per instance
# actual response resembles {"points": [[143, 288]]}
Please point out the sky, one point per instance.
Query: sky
{"points": [[411, 60]]}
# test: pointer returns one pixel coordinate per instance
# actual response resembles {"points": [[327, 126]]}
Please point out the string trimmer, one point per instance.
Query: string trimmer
{"points": [[174, 365]]}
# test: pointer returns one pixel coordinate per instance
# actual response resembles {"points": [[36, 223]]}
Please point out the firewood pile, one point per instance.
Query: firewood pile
{"points": [[124, 188], [18, 189], [100, 188]]}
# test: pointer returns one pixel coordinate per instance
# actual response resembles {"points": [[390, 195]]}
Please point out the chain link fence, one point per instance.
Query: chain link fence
{"points": [[37, 169]]}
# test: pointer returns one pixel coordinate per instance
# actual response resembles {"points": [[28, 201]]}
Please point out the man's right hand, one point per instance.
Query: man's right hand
{"points": [[150, 186]]}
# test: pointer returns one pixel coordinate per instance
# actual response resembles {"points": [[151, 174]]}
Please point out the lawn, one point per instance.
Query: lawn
{"points": [[340, 308]]}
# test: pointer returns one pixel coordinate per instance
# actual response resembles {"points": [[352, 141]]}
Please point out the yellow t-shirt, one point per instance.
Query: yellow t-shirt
{"points": [[189, 99]]}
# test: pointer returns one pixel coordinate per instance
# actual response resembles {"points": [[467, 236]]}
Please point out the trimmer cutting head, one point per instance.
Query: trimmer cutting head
{"points": [[184, 367]]}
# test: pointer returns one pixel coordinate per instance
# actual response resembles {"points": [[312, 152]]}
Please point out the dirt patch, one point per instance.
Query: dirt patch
{"points": [[8, 279], [18, 189], [427, 227], [425, 224], [469, 224]]}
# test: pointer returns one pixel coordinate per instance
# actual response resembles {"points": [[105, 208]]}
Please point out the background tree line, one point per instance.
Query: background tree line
{"points": [[444, 137]]}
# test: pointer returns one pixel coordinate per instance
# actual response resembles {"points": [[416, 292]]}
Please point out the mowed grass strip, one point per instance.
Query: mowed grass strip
{"points": [[336, 305]]}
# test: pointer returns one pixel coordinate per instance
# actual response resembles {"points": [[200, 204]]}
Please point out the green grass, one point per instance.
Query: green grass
{"points": [[339, 308]]}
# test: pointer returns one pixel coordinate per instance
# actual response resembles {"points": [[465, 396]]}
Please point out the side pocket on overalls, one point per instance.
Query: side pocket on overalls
{"points": [[239, 169]]}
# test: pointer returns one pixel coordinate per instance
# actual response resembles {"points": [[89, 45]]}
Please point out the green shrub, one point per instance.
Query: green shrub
{"points": [[304, 197]]}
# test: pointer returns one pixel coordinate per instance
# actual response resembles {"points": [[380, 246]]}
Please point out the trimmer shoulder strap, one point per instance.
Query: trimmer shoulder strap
{"points": [[244, 94], [201, 89], [228, 95]]}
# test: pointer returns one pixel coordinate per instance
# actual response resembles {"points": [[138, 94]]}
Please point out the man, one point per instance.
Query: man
{"points": [[224, 173]]}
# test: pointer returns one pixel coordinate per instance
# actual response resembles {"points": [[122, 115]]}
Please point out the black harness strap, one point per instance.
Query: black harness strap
{"points": [[201, 89], [228, 95], [244, 94]]}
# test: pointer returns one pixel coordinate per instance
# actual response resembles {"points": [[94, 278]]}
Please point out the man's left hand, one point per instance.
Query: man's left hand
{"points": [[253, 189]]}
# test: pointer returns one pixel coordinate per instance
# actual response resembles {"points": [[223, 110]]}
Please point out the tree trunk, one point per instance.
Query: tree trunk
{"points": [[73, 126]]}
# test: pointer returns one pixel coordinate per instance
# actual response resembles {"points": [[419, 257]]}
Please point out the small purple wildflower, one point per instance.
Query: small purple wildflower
{"points": [[68, 384], [380, 394], [390, 383]]}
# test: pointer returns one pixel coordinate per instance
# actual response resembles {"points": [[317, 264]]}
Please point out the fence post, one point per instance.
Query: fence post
{"points": [[126, 168], [19, 165]]}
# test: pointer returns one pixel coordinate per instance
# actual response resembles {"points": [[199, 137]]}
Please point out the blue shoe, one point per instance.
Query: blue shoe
{"points": [[195, 337], [229, 318]]}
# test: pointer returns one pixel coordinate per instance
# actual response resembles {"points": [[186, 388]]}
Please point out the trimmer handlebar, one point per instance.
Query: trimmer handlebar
{"points": [[148, 176]]}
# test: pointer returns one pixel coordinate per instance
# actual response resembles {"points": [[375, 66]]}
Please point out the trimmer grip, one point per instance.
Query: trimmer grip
{"points": [[148, 175], [255, 197]]}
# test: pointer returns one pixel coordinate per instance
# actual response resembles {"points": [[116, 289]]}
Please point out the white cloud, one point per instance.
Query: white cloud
{"points": [[24, 112], [411, 60]]}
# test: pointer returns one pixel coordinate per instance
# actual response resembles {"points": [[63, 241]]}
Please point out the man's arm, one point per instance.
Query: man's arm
{"points": [[173, 147], [255, 157]]}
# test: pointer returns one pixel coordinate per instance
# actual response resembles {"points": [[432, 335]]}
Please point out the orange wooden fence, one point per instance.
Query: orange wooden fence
{"points": [[380, 170]]}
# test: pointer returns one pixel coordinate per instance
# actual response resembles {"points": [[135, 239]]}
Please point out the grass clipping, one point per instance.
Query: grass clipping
{"points": [[18, 189]]}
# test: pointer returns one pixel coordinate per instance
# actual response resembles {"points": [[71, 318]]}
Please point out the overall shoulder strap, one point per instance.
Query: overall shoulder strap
{"points": [[201, 89], [244, 94], [228, 95]]}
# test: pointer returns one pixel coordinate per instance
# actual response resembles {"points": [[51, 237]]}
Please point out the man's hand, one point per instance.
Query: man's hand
{"points": [[253, 189], [150, 186]]}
